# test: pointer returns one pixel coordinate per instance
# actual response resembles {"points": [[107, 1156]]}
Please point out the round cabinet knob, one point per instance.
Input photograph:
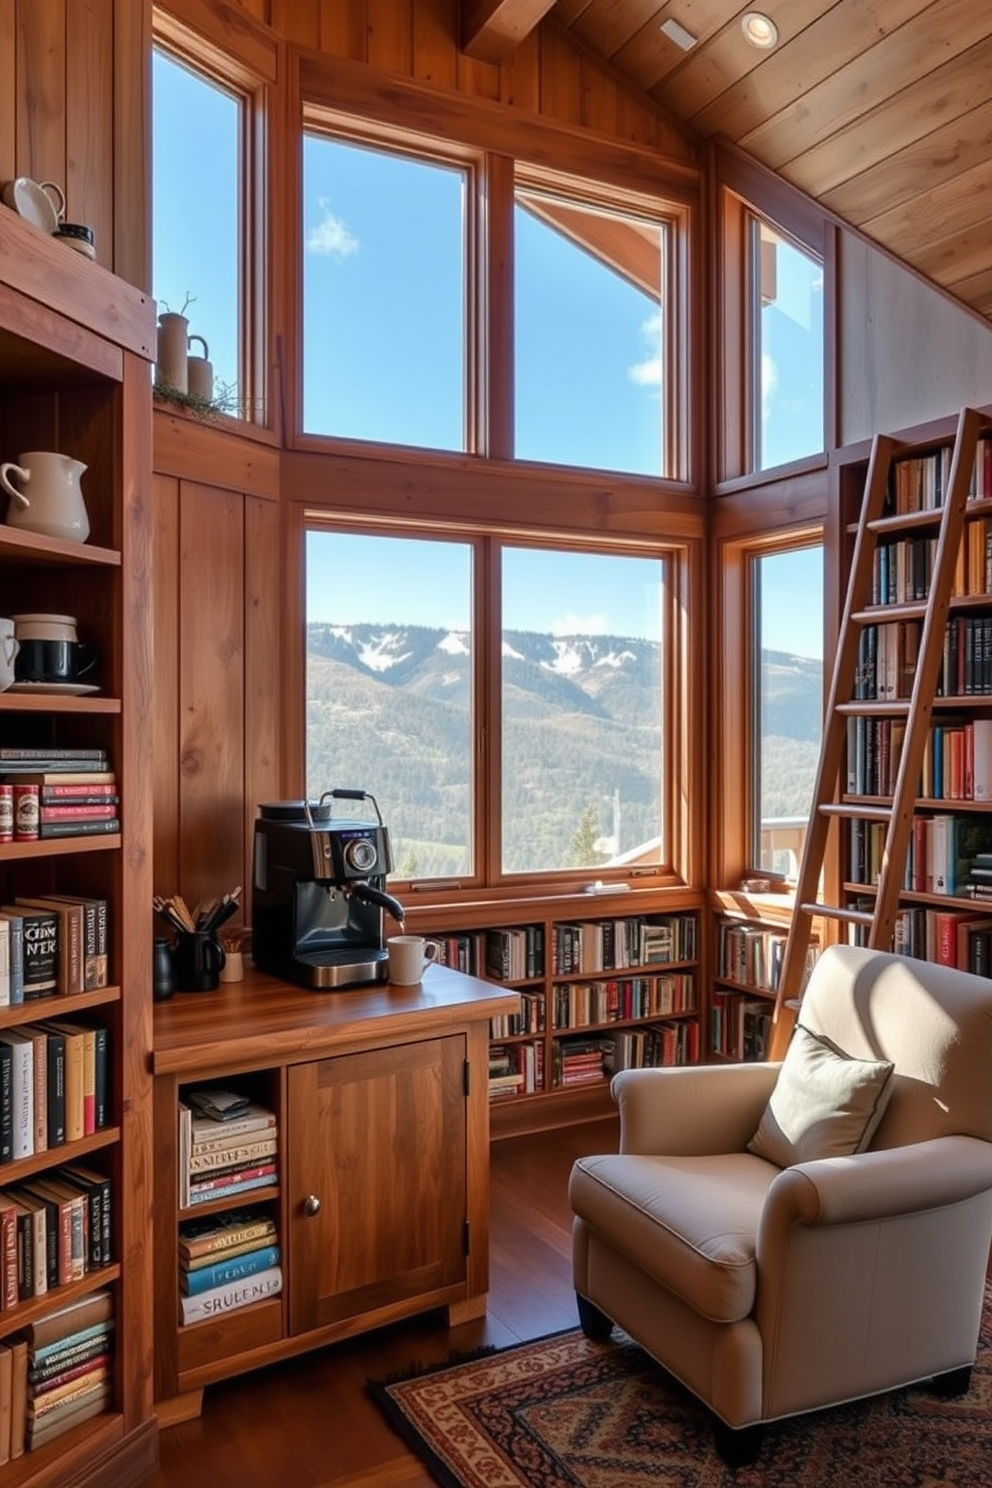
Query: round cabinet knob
{"points": [[311, 1206]]}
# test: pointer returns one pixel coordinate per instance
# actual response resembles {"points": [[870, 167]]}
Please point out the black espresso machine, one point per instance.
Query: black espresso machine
{"points": [[319, 895]]}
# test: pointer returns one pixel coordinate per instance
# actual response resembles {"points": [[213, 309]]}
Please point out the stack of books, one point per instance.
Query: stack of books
{"points": [[580, 1061], [77, 789], [69, 1367], [227, 1262], [227, 1146]]}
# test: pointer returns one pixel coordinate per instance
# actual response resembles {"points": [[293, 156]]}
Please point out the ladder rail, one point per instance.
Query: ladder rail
{"points": [[834, 738], [918, 713]]}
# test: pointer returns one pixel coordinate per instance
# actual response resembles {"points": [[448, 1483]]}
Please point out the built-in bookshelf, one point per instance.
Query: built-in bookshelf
{"points": [[75, 854], [599, 992], [750, 938], [945, 874]]}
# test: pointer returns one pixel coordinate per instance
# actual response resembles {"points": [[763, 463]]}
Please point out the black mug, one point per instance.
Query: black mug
{"points": [[197, 960], [54, 661]]}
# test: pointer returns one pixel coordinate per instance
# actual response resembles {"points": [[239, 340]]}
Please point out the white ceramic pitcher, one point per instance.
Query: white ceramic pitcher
{"points": [[52, 499]]}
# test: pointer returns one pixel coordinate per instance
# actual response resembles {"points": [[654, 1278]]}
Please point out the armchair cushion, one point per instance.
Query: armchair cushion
{"points": [[824, 1103], [690, 1223]]}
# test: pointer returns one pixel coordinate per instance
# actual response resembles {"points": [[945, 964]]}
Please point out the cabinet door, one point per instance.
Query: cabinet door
{"points": [[377, 1149]]}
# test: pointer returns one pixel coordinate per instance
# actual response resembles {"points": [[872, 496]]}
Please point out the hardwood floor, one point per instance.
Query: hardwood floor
{"points": [[309, 1423]]}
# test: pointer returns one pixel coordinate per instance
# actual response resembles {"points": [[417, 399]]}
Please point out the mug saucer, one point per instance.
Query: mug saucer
{"points": [[67, 689]]}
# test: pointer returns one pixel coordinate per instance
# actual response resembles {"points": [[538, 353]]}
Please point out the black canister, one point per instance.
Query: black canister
{"points": [[163, 980]]}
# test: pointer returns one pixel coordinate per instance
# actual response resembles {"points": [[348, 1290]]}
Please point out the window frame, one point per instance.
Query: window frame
{"points": [[486, 815], [320, 121], [744, 190], [252, 88], [753, 554], [672, 221]]}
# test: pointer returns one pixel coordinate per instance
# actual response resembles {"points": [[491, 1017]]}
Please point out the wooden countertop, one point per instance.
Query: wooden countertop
{"points": [[263, 1018]]}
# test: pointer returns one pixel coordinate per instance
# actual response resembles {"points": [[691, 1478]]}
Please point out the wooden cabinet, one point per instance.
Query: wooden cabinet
{"points": [[381, 1200], [376, 1145], [76, 379]]}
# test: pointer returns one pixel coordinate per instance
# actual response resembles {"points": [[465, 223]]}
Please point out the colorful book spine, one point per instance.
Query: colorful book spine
{"points": [[235, 1269], [232, 1295]]}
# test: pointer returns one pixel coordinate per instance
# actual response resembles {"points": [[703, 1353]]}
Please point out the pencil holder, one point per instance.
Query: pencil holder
{"points": [[233, 969]]}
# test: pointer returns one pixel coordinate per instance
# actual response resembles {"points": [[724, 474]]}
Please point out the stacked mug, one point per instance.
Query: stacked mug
{"points": [[49, 651]]}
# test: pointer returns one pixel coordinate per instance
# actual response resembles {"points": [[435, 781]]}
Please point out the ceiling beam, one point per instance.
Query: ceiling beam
{"points": [[492, 29]]}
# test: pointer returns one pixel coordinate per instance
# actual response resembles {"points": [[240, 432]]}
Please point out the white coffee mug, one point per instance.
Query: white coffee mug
{"points": [[409, 958], [9, 647]]}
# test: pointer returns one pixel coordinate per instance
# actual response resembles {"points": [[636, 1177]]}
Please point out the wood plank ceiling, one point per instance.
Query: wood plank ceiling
{"points": [[881, 110]]}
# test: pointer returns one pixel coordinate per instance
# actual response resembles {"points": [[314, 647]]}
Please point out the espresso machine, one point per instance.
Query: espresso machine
{"points": [[319, 898]]}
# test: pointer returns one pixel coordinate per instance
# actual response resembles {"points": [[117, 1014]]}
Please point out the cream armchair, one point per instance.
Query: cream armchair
{"points": [[771, 1290]]}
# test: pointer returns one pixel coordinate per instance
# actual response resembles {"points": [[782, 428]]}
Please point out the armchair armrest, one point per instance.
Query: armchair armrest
{"points": [[878, 1185], [690, 1111]]}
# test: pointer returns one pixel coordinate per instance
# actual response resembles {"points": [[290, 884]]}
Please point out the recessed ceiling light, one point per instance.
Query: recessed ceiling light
{"points": [[760, 30], [681, 37]]}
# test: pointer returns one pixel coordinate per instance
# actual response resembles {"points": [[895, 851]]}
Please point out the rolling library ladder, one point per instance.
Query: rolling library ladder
{"points": [[948, 520]]}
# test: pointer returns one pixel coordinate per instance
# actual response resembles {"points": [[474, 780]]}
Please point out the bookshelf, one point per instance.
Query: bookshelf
{"points": [[605, 983], [750, 935], [77, 380], [903, 771]]}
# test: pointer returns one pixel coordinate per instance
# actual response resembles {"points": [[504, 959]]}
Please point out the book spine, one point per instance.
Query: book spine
{"points": [[222, 1182], [44, 753], [77, 811], [236, 1269], [231, 1295], [78, 828], [232, 1188], [222, 1240]]}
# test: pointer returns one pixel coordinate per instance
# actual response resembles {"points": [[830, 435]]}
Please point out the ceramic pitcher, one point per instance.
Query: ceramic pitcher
{"points": [[48, 497]]}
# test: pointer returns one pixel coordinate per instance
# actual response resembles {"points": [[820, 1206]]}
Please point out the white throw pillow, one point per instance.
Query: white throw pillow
{"points": [[824, 1103]]}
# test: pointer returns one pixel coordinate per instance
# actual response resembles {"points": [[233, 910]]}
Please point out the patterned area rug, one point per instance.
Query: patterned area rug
{"points": [[562, 1412]]}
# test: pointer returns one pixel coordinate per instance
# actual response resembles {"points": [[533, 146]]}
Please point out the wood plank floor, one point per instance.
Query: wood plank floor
{"points": [[308, 1422]]}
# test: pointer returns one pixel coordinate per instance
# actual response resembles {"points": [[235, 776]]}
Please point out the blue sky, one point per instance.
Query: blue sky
{"points": [[384, 354]]}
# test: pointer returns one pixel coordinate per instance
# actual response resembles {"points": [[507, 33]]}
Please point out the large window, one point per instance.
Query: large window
{"points": [[786, 347], [198, 129], [582, 736], [787, 701], [384, 295], [531, 747], [593, 384]]}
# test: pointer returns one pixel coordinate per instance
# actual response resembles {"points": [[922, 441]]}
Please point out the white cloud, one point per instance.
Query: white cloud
{"points": [[571, 625], [331, 237], [648, 372]]}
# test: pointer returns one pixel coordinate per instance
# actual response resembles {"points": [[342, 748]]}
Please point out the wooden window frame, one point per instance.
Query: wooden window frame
{"points": [[744, 190], [252, 85], [679, 664]]}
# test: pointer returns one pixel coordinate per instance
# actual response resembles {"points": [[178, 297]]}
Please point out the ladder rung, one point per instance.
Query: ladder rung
{"points": [[885, 614], [876, 708], [839, 912], [857, 812]]}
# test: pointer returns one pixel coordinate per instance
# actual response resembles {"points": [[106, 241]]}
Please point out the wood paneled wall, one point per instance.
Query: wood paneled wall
{"points": [[549, 74], [73, 109], [217, 640]]}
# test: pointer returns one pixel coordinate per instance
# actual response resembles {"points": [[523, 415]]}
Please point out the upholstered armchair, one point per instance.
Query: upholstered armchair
{"points": [[769, 1276]]}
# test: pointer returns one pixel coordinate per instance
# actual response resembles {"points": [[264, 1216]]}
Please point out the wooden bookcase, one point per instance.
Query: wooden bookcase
{"points": [[583, 987], [951, 818], [750, 934], [75, 348]]}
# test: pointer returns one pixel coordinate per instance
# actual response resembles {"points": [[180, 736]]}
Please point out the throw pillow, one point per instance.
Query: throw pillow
{"points": [[824, 1103]]}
